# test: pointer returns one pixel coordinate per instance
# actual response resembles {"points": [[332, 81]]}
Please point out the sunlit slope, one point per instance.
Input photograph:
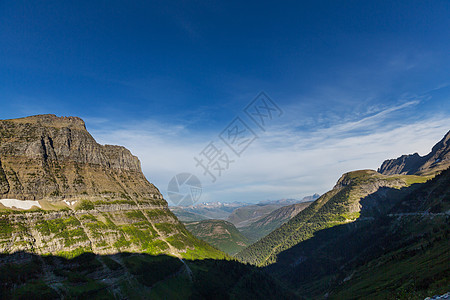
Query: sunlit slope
{"points": [[221, 234], [85, 197], [343, 204]]}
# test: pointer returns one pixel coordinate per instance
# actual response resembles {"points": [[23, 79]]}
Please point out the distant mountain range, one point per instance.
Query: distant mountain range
{"points": [[203, 211], [285, 202], [224, 210], [252, 220]]}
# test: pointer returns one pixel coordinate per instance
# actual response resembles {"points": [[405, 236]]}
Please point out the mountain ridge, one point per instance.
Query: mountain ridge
{"points": [[268, 223], [338, 206], [413, 164]]}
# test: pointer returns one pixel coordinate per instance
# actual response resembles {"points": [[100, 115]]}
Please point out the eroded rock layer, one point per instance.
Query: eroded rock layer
{"points": [[91, 197]]}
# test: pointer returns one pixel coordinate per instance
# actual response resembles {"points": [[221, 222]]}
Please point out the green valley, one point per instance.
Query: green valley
{"points": [[221, 234]]}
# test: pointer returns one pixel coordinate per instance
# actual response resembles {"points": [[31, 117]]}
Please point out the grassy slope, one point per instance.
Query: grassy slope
{"points": [[221, 234], [87, 230], [403, 254], [272, 221], [336, 207], [402, 274]]}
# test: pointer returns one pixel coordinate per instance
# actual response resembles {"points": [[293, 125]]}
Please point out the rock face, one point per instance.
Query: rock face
{"points": [[49, 158], [435, 161], [93, 197]]}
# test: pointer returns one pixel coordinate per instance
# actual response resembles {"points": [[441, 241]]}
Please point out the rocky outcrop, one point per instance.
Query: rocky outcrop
{"points": [[437, 160], [51, 158], [91, 197]]}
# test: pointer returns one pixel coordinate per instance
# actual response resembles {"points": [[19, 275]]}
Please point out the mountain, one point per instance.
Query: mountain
{"points": [[341, 205], [400, 254], [209, 210], [245, 215], [371, 236], [437, 160], [286, 202], [219, 233], [224, 211], [310, 198], [62, 193], [186, 216], [268, 223], [80, 220]]}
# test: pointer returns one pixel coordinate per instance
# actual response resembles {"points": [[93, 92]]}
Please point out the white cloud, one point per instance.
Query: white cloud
{"points": [[283, 162]]}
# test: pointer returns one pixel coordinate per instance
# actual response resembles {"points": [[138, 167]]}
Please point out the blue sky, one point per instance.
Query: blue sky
{"points": [[358, 82]]}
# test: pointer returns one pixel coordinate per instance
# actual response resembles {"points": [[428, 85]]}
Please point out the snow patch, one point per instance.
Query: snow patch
{"points": [[22, 204], [70, 203]]}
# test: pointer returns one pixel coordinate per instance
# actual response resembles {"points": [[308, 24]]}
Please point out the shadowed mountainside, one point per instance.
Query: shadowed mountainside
{"points": [[132, 276], [339, 206], [403, 252]]}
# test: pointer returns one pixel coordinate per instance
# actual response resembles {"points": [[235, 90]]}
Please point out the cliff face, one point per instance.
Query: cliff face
{"points": [[49, 158], [435, 161], [87, 197]]}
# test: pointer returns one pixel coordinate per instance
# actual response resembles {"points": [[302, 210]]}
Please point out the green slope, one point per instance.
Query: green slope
{"points": [[69, 233], [221, 234], [383, 259], [339, 206], [266, 224], [403, 254]]}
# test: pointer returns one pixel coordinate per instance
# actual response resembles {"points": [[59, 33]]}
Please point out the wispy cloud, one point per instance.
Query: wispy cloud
{"points": [[284, 161]]}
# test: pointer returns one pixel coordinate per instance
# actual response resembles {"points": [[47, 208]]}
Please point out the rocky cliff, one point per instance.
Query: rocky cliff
{"points": [[435, 161], [84, 196], [49, 158]]}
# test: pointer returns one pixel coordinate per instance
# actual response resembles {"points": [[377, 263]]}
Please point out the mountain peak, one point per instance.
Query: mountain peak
{"points": [[46, 156], [435, 161]]}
